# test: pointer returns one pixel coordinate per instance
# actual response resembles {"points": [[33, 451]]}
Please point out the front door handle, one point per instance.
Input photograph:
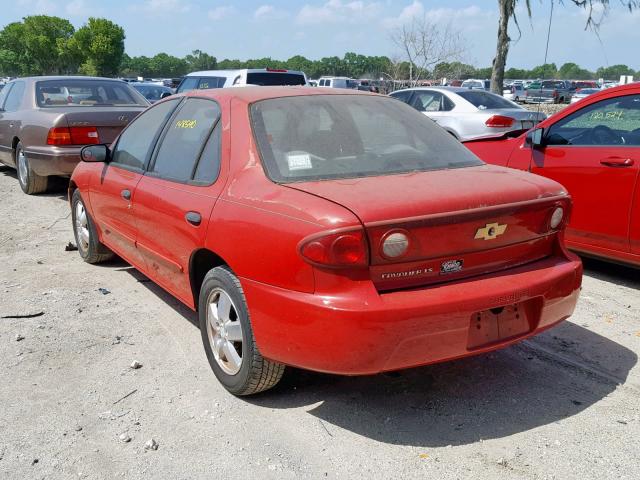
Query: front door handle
{"points": [[194, 218], [126, 194], [617, 162]]}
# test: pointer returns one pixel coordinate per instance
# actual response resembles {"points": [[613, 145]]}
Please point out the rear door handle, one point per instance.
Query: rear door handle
{"points": [[126, 194], [617, 162], [194, 218]]}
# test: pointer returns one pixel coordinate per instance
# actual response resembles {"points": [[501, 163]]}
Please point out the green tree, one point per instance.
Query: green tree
{"points": [[199, 60], [614, 72], [164, 65], [12, 49], [103, 44], [544, 71], [40, 36], [572, 71], [516, 74]]}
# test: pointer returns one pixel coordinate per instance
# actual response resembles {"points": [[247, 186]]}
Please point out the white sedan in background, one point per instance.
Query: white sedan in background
{"points": [[583, 93], [467, 114]]}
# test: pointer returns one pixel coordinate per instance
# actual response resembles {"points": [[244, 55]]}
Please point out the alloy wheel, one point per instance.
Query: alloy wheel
{"points": [[82, 227], [23, 167], [224, 331]]}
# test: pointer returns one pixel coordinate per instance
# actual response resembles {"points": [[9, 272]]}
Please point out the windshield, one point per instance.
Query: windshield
{"points": [[152, 92], [275, 78], [318, 137], [86, 93], [486, 100]]}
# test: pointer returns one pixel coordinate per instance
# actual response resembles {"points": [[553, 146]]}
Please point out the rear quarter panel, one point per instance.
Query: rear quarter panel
{"points": [[256, 225]]}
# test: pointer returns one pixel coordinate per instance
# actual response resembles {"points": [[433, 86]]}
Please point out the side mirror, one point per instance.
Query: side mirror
{"points": [[535, 138], [95, 153], [165, 95]]}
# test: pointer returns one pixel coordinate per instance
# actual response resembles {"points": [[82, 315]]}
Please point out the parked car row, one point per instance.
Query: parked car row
{"points": [[328, 229]]}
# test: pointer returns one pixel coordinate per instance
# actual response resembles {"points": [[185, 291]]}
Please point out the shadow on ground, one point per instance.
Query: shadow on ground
{"points": [[57, 185], [540, 381], [611, 272]]}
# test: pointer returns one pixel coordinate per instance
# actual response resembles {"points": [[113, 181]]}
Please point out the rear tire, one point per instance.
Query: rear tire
{"points": [[30, 182], [84, 230], [227, 336]]}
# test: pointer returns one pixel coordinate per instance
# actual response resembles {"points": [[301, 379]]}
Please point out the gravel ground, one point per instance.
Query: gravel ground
{"points": [[564, 405]]}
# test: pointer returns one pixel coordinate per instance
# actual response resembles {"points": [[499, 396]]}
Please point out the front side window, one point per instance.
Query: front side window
{"points": [[320, 137], [184, 140], [14, 98], [86, 93], [136, 141], [614, 121]]}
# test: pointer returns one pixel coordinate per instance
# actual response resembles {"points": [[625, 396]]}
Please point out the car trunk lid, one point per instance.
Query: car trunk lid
{"points": [[109, 121], [460, 222]]}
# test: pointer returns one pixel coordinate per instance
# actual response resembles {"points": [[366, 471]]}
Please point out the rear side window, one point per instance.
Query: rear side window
{"points": [[403, 95], [4, 92], [485, 100], [14, 98], [319, 137], [275, 78], [136, 141], [184, 140]]}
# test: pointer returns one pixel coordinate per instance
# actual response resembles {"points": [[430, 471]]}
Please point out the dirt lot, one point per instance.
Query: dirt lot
{"points": [[565, 405]]}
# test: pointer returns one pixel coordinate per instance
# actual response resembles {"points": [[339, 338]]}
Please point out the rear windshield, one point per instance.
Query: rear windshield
{"points": [[275, 78], [485, 100], [152, 92], [320, 137], [86, 93], [201, 83]]}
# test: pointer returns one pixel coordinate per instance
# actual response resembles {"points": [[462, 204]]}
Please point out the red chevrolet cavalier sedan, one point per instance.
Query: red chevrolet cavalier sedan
{"points": [[337, 231]]}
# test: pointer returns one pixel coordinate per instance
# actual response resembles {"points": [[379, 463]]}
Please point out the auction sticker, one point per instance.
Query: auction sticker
{"points": [[299, 162]]}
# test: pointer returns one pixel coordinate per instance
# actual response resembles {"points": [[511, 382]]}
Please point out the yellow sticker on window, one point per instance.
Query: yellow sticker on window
{"points": [[615, 115], [186, 123]]}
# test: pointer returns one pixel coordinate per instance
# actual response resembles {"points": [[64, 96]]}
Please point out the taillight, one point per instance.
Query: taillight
{"points": [[555, 93], [347, 248], [73, 136], [558, 217], [497, 121], [282, 70], [84, 135]]}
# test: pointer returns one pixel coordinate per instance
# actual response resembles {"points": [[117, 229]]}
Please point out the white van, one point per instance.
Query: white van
{"points": [[337, 82], [247, 76]]}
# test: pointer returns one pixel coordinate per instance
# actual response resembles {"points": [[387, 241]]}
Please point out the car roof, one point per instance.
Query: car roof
{"points": [[148, 84], [443, 88], [252, 94], [66, 77], [203, 73]]}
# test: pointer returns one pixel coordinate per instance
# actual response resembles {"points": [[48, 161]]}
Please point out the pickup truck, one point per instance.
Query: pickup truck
{"points": [[548, 91]]}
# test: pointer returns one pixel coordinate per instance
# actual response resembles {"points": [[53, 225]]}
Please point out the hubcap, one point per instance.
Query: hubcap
{"points": [[82, 227], [23, 171], [224, 331]]}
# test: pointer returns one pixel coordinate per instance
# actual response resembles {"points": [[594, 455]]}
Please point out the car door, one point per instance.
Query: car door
{"points": [[10, 122], [112, 196], [175, 198], [595, 154]]}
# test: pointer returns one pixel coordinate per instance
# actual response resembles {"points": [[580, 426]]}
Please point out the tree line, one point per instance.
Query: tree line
{"points": [[45, 45]]}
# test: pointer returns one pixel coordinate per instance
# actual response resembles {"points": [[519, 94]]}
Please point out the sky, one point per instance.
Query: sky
{"points": [[320, 28]]}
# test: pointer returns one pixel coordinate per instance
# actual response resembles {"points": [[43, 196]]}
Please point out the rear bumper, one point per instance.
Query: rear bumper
{"points": [[49, 160], [364, 332]]}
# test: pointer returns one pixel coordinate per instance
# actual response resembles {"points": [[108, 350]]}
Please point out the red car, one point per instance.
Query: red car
{"points": [[332, 230], [592, 148]]}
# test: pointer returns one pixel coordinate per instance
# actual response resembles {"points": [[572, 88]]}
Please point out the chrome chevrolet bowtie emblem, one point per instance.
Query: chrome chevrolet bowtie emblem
{"points": [[490, 231]]}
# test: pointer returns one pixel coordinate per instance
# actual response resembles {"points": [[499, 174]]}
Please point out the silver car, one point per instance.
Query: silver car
{"points": [[467, 114]]}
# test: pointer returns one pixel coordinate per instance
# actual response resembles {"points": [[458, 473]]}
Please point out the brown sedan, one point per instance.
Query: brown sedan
{"points": [[44, 122]]}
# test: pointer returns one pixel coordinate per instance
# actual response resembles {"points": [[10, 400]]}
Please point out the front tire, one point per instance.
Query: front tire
{"points": [[84, 230], [30, 182], [227, 336]]}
